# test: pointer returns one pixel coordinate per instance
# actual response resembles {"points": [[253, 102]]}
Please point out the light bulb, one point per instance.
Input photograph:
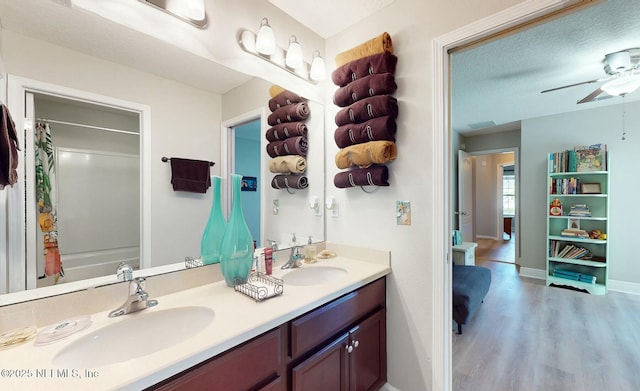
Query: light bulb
{"points": [[294, 54], [317, 67], [624, 84], [265, 41]]}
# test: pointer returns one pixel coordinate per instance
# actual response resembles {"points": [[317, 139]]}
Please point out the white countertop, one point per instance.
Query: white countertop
{"points": [[238, 318]]}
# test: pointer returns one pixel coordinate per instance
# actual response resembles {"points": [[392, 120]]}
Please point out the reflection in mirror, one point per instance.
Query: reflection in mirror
{"points": [[184, 110], [90, 192]]}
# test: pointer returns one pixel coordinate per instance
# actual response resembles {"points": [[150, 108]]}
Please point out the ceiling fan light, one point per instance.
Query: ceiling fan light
{"points": [[294, 54], [622, 85], [265, 40]]}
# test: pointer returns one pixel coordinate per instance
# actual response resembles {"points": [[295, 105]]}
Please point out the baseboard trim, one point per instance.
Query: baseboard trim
{"points": [[486, 237], [388, 387], [614, 285], [624, 287], [533, 273]]}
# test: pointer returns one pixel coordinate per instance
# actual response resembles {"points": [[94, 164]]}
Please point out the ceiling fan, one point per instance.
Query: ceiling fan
{"points": [[623, 70]]}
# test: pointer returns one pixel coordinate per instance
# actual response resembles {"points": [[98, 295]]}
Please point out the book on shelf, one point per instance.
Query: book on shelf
{"points": [[579, 210], [591, 158], [568, 274], [578, 233], [581, 158]]}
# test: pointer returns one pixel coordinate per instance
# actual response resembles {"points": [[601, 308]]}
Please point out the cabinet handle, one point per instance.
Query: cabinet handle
{"points": [[355, 343], [349, 348]]}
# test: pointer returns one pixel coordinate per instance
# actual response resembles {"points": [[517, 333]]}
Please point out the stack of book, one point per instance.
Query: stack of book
{"points": [[575, 276], [578, 233], [580, 210], [569, 251], [564, 186]]}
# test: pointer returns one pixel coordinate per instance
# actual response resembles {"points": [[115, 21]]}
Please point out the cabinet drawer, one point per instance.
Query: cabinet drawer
{"points": [[252, 366], [317, 326]]}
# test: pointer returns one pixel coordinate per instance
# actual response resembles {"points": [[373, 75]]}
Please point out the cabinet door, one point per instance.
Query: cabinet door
{"points": [[327, 370], [253, 365], [368, 353]]}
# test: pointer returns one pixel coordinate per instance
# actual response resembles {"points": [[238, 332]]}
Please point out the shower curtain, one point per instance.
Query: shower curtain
{"points": [[46, 199]]}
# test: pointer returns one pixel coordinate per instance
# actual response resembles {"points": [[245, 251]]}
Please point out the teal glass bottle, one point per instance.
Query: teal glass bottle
{"points": [[237, 243], [211, 243]]}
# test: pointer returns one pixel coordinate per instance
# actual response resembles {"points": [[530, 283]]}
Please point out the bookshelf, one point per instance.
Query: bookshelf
{"points": [[577, 228]]}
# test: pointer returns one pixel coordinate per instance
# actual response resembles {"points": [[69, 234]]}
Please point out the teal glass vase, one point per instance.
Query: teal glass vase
{"points": [[211, 243], [237, 243]]}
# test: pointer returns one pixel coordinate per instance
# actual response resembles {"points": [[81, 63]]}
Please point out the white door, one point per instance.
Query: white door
{"points": [[465, 196]]}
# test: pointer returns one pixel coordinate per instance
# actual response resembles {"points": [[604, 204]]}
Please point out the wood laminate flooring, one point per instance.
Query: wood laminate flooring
{"points": [[530, 337], [496, 250]]}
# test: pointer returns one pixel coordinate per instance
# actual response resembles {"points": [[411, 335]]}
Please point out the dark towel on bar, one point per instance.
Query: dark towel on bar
{"points": [[9, 147], [289, 181], [384, 62], [291, 146], [190, 175], [284, 98], [381, 84], [377, 129], [286, 130], [289, 113], [363, 110], [370, 176]]}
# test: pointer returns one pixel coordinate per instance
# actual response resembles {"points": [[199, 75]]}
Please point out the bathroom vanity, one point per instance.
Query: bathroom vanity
{"points": [[345, 337], [333, 324]]}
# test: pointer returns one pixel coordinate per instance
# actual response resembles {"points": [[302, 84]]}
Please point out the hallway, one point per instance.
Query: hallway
{"points": [[497, 250]]}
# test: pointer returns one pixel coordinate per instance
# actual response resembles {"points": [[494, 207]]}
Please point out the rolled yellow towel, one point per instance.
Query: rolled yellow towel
{"points": [[275, 89], [288, 164], [379, 44], [366, 154]]}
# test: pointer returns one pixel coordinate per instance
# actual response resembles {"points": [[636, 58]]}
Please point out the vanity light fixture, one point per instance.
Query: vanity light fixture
{"points": [[293, 59], [290, 60], [317, 71], [265, 41], [190, 11]]}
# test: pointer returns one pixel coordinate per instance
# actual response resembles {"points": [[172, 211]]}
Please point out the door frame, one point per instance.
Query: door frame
{"points": [[510, 18], [227, 158]]}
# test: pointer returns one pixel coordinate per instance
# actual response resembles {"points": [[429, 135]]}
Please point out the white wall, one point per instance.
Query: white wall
{"points": [[558, 132], [488, 194], [369, 219], [185, 122]]}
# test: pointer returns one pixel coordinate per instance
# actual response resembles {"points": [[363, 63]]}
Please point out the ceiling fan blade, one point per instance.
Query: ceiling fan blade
{"points": [[592, 96], [572, 85]]}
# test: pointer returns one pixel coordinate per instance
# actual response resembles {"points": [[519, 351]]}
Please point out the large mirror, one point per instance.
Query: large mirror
{"points": [[118, 109]]}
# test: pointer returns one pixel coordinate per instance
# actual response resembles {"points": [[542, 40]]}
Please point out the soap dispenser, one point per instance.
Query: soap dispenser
{"points": [[309, 252]]}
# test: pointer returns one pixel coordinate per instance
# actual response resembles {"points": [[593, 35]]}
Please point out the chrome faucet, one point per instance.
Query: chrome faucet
{"points": [[294, 258], [138, 299]]}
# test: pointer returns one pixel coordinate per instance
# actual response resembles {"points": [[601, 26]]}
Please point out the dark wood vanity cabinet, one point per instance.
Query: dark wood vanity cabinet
{"points": [[341, 345], [354, 361], [254, 365], [338, 346]]}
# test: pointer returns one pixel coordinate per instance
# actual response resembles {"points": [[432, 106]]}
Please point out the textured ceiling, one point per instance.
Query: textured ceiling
{"points": [[329, 17], [500, 81]]}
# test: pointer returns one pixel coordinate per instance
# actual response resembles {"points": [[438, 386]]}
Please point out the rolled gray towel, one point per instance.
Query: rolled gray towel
{"points": [[285, 130], [289, 113], [370, 176], [289, 181], [291, 146], [368, 108]]}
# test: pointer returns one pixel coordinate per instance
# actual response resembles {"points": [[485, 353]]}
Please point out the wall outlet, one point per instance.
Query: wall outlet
{"points": [[276, 207]]}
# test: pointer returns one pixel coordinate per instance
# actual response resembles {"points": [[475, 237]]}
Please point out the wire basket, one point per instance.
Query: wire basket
{"points": [[260, 286]]}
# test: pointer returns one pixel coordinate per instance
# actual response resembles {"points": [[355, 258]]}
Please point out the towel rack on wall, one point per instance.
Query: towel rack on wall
{"points": [[166, 159]]}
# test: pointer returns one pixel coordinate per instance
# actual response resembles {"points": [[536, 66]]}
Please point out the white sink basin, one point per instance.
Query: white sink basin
{"points": [[313, 275], [137, 335]]}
